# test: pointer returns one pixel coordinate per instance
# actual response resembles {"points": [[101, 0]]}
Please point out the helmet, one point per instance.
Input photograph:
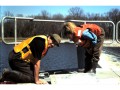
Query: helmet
{"points": [[56, 39]]}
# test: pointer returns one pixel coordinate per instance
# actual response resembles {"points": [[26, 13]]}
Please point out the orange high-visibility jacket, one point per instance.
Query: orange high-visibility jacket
{"points": [[79, 30], [92, 27], [27, 56]]}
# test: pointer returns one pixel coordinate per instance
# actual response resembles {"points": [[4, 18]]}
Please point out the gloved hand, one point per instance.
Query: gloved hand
{"points": [[94, 66]]}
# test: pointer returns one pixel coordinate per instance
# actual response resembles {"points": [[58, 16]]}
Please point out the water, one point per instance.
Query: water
{"points": [[4, 52], [63, 57]]}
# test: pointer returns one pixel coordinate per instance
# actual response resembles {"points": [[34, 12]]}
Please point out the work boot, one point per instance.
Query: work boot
{"points": [[87, 70], [2, 77], [88, 67], [94, 66], [91, 68]]}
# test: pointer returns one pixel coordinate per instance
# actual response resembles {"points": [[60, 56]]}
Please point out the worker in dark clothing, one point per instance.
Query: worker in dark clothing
{"points": [[89, 36], [25, 59]]}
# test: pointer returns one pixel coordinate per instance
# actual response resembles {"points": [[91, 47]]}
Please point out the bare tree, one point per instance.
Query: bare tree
{"points": [[45, 14], [28, 28], [114, 15], [8, 13], [19, 15], [58, 17], [76, 13]]}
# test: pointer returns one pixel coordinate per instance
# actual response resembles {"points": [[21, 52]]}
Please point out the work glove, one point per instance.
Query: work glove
{"points": [[94, 66]]}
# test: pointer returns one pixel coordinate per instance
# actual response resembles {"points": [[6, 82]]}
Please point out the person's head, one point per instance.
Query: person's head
{"points": [[54, 40], [69, 29]]}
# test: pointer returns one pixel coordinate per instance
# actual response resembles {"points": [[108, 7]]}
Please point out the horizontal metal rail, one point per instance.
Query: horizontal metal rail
{"points": [[42, 20]]}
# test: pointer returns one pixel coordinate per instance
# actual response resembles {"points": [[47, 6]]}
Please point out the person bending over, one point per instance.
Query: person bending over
{"points": [[88, 36]]}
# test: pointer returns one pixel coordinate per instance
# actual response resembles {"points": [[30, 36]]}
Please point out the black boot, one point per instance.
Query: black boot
{"points": [[2, 77], [87, 69], [94, 66], [88, 66]]}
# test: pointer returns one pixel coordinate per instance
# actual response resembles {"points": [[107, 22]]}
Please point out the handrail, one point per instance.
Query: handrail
{"points": [[117, 32], [42, 20], [15, 27]]}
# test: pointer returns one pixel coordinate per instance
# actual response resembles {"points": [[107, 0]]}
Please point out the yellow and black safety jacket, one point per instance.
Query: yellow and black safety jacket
{"points": [[27, 54]]}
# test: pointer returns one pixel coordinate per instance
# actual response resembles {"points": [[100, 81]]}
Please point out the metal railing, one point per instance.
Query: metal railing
{"points": [[117, 38], [15, 27], [42, 20]]}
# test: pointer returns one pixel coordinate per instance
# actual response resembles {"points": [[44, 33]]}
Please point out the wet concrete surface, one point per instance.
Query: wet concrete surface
{"points": [[107, 75]]}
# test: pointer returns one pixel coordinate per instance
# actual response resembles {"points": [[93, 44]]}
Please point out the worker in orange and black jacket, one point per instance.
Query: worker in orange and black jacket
{"points": [[89, 36], [25, 59]]}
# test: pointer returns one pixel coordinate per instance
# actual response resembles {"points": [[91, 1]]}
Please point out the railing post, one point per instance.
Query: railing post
{"points": [[117, 32], [15, 28]]}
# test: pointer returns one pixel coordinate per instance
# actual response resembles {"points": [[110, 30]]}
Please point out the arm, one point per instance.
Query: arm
{"points": [[36, 72], [37, 47], [78, 41]]}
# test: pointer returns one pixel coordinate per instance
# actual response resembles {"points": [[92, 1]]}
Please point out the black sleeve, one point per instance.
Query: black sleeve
{"points": [[37, 46]]}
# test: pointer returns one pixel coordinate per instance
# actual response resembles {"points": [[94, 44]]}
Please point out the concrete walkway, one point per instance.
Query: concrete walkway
{"points": [[107, 75]]}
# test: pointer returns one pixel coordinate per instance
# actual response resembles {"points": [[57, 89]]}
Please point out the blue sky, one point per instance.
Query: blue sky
{"points": [[35, 10]]}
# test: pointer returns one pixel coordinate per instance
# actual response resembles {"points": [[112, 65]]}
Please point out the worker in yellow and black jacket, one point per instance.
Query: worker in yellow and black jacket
{"points": [[25, 59]]}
